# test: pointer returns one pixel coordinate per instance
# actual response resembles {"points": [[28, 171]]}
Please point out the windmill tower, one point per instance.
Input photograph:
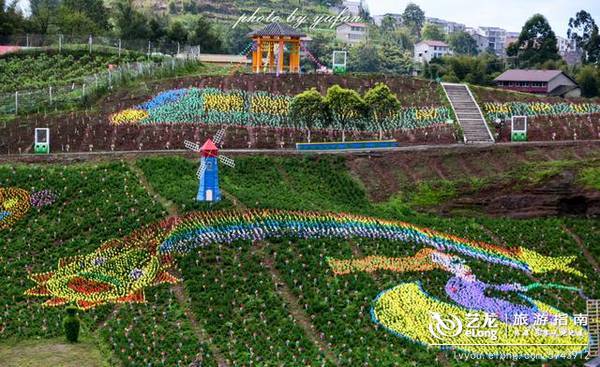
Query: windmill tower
{"points": [[208, 171]]}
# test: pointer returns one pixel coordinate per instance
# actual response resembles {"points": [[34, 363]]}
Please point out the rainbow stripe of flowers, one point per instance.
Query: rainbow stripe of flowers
{"points": [[200, 229]]}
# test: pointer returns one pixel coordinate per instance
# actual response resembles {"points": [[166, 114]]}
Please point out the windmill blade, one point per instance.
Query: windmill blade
{"points": [[201, 169], [218, 138], [227, 161], [191, 146]]}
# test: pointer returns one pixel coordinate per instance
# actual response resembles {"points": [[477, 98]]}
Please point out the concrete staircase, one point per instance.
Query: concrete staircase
{"points": [[468, 113]]}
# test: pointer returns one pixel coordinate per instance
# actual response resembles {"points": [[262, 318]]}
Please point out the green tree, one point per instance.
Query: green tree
{"points": [[388, 24], [394, 59], [463, 43], [177, 32], [364, 58], [432, 32], [130, 23], [43, 15], [92, 9], [74, 22], [584, 31], [11, 19], [413, 18], [536, 44], [157, 29], [345, 105], [308, 108], [237, 38], [203, 35], [381, 104], [589, 81], [402, 38]]}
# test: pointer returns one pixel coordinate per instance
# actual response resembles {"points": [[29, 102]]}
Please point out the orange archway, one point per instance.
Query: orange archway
{"points": [[268, 55]]}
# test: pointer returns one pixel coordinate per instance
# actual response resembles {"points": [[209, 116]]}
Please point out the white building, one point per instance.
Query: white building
{"points": [[351, 33], [425, 51], [447, 26], [565, 45], [482, 41], [379, 18]]}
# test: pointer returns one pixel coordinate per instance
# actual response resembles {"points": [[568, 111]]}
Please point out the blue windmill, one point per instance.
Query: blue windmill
{"points": [[208, 172]]}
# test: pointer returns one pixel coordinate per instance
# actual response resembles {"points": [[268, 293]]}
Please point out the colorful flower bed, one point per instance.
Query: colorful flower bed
{"points": [[259, 109], [405, 310], [120, 270], [15, 203], [482, 324], [504, 111]]}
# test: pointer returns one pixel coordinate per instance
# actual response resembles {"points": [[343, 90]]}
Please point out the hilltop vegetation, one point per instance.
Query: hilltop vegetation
{"points": [[35, 70]]}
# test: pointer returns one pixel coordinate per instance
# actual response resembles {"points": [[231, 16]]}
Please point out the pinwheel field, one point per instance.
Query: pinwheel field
{"points": [[312, 295]]}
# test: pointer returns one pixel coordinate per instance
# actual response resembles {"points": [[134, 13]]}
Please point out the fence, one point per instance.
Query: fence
{"points": [[92, 43], [55, 97]]}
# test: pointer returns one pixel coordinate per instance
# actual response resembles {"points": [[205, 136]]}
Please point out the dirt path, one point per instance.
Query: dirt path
{"points": [[178, 289], [586, 253], [168, 205], [293, 305], [285, 293]]}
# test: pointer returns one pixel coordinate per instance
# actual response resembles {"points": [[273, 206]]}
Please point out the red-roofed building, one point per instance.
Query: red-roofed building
{"points": [[549, 82], [427, 50]]}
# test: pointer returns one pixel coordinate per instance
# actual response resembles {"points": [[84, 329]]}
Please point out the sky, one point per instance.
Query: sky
{"points": [[507, 14]]}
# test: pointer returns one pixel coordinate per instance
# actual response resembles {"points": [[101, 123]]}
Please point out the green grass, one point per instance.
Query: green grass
{"points": [[590, 177], [51, 352]]}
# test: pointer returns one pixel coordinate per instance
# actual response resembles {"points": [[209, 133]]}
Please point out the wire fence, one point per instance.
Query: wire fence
{"points": [[93, 44], [78, 93]]}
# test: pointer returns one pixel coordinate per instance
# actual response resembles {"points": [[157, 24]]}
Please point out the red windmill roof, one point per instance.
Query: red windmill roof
{"points": [[209, 145], [209, 149]]}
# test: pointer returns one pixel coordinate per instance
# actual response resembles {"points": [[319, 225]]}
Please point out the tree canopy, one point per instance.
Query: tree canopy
{"points": [[584, 31], [432, 32], [413, 18], [463, 43], [537, 43]]}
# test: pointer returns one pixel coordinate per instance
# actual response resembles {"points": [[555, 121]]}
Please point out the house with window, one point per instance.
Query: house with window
{"points": [[425, 51], [351, 33], [548, 82]]}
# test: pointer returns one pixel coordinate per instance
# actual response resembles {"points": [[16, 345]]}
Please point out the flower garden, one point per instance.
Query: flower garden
{"points": [[211, 106], [345, 271], [504, 111]]}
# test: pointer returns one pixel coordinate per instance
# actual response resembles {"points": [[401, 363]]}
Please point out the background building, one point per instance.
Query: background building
{"points": [[496, 39], [447, 26], [425, 51], [549, 82], [351, 33]]}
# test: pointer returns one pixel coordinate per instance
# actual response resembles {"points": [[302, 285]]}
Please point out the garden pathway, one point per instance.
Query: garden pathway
{"points": [[285, 293], [178, 289]]}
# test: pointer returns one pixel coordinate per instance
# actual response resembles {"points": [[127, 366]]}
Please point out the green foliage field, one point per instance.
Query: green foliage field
{"points": [[41, 70], [235, 291]]}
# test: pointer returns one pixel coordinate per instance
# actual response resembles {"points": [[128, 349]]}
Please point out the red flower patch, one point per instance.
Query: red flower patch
{"points": [[88, 286]]}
